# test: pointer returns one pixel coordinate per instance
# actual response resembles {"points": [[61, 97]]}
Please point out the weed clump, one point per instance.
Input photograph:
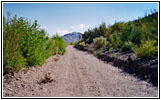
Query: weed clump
{"points": [[127, 46], [99, 42], [147, 49]]}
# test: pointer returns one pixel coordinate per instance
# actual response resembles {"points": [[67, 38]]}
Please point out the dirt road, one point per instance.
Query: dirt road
{"points": [[77, 74]]}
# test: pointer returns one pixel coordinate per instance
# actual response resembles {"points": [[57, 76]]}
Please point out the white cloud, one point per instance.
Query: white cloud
{"points": [[82, 32], [62, 32], [81, 26], [74, 28]]}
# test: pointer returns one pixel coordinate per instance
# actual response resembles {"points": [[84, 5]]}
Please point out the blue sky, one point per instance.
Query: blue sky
{"points": [[69, 17]]}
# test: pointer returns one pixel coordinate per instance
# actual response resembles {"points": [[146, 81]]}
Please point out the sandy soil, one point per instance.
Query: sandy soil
{"points": [[76, 74]]}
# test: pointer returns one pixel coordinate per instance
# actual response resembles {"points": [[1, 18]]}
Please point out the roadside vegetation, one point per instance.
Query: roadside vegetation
{"points": [[73, 43], [25, 44], [139, 36]]}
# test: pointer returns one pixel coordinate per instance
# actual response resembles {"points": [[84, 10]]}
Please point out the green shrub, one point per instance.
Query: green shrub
{"points": [[135, 35], [115, 41], [117, 27], [147, 49], [89, 35], [101, 31], [99, 42], [91, 50], [83, 44], [110, 50], [25, 44], [12, 38], [33, 46], [59, 45], [127, 46], [96, 52], [124, 36], [73, 43], [126, 31]]}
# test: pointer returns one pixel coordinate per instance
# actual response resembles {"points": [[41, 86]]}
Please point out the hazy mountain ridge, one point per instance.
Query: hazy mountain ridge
{"points": [[72, 37]]}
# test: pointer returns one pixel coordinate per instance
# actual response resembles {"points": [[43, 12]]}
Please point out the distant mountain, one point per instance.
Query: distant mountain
{"points": [[72, 37]]}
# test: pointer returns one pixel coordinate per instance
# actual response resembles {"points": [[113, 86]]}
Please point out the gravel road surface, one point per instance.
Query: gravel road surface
{"points": [[76, 74]]}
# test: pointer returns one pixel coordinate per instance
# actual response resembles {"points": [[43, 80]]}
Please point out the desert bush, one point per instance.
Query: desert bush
{"points": [[33, 45], [25, 44], [12, 38], [124, 36], [102, 30], [73, 43], [89, 35], [91, 50], [127, 46], [83, 44], [117, 27], [96, 52], [126, 31], [115, 41], [59, 45], [135, 35], [110, 50], [99, 42], [153, 33], [147, 49]]}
